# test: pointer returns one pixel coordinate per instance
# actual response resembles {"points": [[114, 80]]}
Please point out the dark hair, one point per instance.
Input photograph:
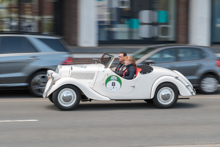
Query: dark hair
{"points": [[124, 54]]}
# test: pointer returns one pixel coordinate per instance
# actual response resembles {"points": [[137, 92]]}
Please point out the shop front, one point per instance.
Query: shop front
{"points": [[136, 21], [35, 16], [215, 26]]}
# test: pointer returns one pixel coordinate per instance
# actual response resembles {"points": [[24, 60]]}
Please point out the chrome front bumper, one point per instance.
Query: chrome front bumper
{"points": [[48, 87]]}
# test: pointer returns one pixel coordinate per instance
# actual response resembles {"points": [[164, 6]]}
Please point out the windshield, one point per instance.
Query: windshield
{"points": [[141, 53], [106, 59]]}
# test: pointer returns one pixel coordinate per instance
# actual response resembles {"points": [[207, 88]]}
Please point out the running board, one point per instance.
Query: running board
{"points": [[183, 98], [122, 100]]}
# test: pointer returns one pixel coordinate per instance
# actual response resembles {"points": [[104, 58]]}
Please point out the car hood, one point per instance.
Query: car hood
{"points": [[83, 71]]}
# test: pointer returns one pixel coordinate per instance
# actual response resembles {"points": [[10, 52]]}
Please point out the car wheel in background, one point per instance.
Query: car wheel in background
{"points": [[166, 95], [208, 84], [37, 83], [66, 97]]}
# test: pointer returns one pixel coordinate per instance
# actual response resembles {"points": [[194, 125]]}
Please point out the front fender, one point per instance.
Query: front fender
{"points": [[82, 86], [183, 90]]}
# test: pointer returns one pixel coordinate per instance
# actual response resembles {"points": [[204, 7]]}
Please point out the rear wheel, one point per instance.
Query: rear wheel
{"points": [[208, 84], [66, 97], [166, 95]]}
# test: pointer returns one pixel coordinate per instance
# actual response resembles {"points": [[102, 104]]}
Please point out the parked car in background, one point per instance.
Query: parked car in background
{"points": [[25, 59], [198, 64]]}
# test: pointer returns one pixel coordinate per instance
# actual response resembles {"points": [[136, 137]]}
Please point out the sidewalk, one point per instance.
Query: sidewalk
{"points": [[119, 48], [90, 54], [106, 49]]}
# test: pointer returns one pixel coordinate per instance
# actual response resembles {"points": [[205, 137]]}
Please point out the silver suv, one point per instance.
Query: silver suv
{"points": [[24, 60], [198, 64]]}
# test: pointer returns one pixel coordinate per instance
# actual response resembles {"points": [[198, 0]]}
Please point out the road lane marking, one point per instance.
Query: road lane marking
{"points": [[5, 100], [9, 121], [199, 145]]}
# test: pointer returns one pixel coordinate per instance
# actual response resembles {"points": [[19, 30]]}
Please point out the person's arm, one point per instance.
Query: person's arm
{"points": [[131, 73], [117, 67], [121, 70]]}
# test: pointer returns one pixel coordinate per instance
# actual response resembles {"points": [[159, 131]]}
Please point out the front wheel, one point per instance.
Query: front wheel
{"points": [[166, 95], [66, 97]]}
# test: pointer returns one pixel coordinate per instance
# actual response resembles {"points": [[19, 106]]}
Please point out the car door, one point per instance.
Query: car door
{"points": [[15, 54], [165, 58], [190, 60], [111, 85]]}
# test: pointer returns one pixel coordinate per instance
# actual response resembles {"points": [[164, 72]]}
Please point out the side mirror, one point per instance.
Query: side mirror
{"points": [[148, 62]]}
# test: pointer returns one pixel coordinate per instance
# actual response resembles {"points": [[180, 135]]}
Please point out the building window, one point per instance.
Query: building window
{"points": [[142, 20], [9, 15], [27, 16], [215, 37]]}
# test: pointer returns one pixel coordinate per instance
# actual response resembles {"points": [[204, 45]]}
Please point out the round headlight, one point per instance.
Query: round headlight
{"points": [[49, 73], [55, 76]]}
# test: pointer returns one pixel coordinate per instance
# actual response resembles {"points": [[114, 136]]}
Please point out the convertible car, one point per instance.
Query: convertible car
{"points": [[70, 84]]}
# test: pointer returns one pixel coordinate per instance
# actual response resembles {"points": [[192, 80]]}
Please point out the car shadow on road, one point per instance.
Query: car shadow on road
{"points": [[184, 105], [124, 106]]}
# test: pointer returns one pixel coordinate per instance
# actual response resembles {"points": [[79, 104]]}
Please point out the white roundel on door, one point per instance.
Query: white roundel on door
{"points": [[113, 83]]}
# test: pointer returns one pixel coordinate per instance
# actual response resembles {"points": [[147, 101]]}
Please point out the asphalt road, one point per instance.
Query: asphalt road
{"points": [[28, 121]]}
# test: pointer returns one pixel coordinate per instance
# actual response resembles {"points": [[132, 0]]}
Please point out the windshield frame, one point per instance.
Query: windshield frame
{"points": [[156, 47], [107, 65], [150, 49]]}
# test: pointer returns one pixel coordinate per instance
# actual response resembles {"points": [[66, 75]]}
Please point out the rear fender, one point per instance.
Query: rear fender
{"points": [[183, 91]]}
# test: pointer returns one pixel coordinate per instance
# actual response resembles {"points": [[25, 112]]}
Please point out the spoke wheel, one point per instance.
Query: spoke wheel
{"points": [[37, 83]]}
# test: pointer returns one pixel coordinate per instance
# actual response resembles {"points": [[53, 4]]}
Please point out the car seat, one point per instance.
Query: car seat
{"points": [[136, 74], [138, 71]]}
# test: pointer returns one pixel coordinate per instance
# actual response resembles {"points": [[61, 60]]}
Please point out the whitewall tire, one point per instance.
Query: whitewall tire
{"points": [[166, 95], [66, 97]]}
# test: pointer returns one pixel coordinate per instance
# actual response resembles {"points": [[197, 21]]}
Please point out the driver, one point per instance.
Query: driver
{"points": [[121, 65]]}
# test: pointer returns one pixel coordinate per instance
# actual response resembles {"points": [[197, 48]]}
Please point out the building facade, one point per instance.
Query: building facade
{"points": [[35, 16], [133, 22], [95, 22]]}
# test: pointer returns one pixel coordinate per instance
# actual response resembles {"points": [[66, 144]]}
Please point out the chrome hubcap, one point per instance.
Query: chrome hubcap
{"points": [[209, 84], [165, 95], [67, 97], [38, 83]]}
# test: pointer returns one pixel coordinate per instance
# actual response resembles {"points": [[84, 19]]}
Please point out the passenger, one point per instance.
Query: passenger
{"points": [[130, 68], [121, 66]]}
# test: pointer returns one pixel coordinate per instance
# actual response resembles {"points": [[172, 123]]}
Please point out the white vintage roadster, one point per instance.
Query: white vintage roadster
{"points": [[70, 84]]}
